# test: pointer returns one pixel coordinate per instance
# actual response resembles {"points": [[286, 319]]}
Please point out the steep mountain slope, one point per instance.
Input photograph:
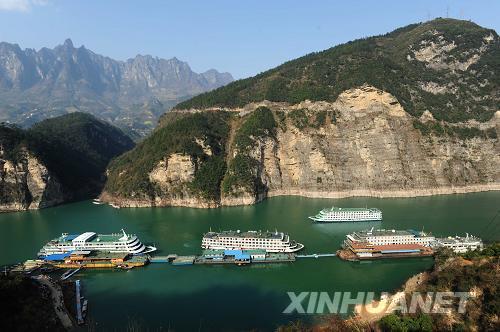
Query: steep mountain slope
{"points": [[60, 159], [446, 66], [35, 85], [358, 138]]}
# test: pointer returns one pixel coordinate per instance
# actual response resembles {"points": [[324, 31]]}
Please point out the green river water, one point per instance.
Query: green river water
{"points": [[204, 298]]}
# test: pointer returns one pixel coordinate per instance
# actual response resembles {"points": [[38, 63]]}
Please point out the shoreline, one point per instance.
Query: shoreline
{"points": [[413, 193], [56, 293]]}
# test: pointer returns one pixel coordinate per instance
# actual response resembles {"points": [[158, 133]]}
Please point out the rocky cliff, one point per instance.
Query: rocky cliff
{"points": [[58, 160], [27, 184], [413, 112], [363, 144]]}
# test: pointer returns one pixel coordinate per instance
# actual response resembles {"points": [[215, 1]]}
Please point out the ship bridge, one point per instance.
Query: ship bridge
{"points": [[85, 237]]}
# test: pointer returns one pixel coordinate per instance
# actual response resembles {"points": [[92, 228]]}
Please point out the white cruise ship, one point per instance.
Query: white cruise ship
{"points": [[337, 214], [459, 244], [116, 243], [383, 237], [269, 241], [379, 243]]}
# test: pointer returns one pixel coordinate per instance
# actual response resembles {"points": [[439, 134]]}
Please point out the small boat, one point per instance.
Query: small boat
{"points": [[97, 201], [124, 267]]}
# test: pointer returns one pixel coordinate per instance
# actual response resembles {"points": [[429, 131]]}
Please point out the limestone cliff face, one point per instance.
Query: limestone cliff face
{"points": [[171, 177], [370, 149], [27, 184], [373, 149], [363, 144]]}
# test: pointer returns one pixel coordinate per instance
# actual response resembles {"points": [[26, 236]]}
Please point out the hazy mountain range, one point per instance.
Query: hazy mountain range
{"points": [[35, 85]]}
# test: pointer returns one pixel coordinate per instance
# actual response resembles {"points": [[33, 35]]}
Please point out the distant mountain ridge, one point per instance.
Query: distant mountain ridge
{"points": [[35, 85]]}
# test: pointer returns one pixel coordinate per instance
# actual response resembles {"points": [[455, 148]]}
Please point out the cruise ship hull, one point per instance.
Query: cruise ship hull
{"points": [[343, 220], [338, 214], [89, 241], [297, 247], [272, 242], [147, 250]]}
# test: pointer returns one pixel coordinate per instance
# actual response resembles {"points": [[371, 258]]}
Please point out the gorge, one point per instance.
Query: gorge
{"points": [[414, 112]]}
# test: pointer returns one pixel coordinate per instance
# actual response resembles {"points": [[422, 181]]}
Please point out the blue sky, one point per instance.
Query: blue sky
{"points": [[241, 37]]}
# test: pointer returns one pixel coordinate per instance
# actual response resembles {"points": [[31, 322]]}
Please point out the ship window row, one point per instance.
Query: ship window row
{"points": [[354, 213], [249, 244], [244, 240], [106, 244], [349, 214]]}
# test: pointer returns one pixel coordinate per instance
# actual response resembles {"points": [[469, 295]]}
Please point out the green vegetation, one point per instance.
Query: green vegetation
{"points": [[438, 129], [25, 307], [12, 140], [430, 127], [493, 250], [299, 118], [463, 273], [260, 123], [129, 173], [478, 272], [302, 118], [243, 169], [241, 173], [320, 119], [13, 143], [178, 133], [76, 148], [395, 323], [208, 178], [381, 61], [281, 116]]}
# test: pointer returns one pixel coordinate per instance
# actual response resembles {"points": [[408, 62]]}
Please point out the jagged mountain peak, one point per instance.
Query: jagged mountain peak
{"points": [[50, 82], [68, 43]]}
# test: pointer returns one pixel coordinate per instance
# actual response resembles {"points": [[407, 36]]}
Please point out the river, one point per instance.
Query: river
{"points": [[162, 296]]}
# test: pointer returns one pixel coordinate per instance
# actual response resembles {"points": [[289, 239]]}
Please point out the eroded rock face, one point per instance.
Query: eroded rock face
{"points": [[176, 168], [171, 178], [367, 146], [27, 184], [436, 54], [388, 157], [373, 149]]}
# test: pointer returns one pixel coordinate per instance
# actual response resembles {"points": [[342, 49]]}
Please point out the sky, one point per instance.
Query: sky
{"points": [[240, 37]]}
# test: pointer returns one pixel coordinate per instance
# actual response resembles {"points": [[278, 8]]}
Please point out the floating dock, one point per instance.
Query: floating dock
{"points": [[316, 255], [242, 257], [184, 260], [220, 257], [96, 259], [348, 255], [163, 259]]}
